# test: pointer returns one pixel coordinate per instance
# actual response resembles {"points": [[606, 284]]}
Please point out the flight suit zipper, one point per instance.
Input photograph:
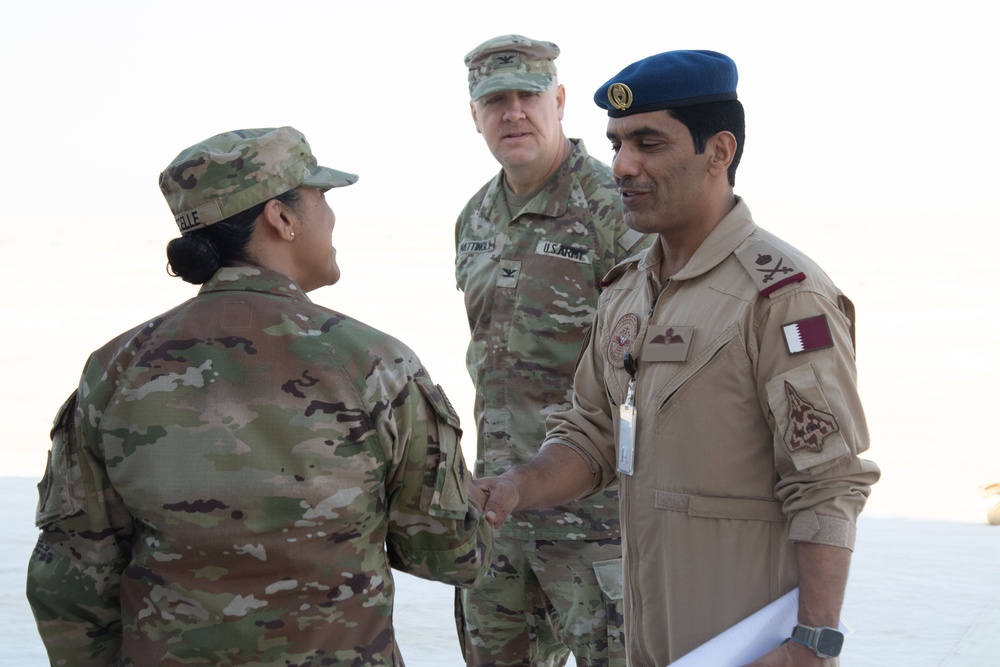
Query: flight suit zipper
{"points": [[628, 482]]}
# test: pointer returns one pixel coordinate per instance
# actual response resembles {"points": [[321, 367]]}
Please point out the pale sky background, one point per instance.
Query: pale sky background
{"points": [[870, 145]]}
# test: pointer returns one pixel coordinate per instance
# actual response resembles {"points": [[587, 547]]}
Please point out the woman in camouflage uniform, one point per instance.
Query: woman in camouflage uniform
{"points": [[233, 479]]}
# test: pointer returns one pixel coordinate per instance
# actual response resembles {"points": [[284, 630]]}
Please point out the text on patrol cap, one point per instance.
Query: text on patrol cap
{"points": [[234, 171]]}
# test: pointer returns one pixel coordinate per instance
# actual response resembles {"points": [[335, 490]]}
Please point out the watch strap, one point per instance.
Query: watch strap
{"points": [[811, 637], [805, 634]]}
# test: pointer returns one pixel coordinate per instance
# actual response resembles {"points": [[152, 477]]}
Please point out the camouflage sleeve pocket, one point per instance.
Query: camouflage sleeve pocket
{"points": [[611, 578], [805, 423], [449, 498], [57, 496]]}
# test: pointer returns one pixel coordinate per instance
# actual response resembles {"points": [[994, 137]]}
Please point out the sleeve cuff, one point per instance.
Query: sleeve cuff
{"points": [[821, 529]]}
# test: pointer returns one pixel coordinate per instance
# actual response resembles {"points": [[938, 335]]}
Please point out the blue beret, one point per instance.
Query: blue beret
{"points": [[667, 81]]}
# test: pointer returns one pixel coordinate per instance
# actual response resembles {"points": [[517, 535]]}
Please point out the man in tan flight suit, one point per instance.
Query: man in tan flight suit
{"points": [[718, 387]]}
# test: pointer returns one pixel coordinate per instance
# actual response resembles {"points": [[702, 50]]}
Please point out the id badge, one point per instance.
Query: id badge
{"points": [[626, 433]]}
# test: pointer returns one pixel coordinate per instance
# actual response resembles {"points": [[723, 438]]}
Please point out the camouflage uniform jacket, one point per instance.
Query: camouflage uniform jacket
{"points": [[232, 481], [531, 286]]}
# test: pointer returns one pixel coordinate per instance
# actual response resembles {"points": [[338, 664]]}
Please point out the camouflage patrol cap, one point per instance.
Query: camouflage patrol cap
{"points": [[510, 62], [234, 171]]}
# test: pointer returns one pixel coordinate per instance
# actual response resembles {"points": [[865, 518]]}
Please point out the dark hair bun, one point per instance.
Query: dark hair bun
{"points": [[193, 258]]}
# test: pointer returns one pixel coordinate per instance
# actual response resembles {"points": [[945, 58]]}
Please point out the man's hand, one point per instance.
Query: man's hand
{"points": [[477, 495], [501, 498], [790, 654], [554, 476]]}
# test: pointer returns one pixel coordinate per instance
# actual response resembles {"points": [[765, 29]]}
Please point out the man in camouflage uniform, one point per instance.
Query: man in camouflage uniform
{"points": [[532, 246], [233, 479]]}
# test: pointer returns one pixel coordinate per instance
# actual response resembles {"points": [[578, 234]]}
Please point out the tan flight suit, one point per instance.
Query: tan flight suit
{"points": [[745, 443]]}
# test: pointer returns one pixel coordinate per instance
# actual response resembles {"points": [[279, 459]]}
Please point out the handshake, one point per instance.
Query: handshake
{"points": [[497, 496], [557, 475]]}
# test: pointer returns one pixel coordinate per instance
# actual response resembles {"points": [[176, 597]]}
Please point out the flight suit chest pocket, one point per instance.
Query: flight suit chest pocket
{"points": [[705, 361]]}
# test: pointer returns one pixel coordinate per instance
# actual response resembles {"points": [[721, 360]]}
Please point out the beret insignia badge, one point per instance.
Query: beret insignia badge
{"points": [[620, 96]]}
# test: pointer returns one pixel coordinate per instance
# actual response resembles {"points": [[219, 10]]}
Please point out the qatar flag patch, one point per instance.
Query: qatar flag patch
{"points": [[812, 333]]}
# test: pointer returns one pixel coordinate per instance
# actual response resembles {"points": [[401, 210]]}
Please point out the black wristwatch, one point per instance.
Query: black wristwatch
{"points": [[825, 642]]}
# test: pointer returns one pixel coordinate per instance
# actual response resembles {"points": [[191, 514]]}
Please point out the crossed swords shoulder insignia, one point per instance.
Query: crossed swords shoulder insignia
{"points": [[768, 268]]}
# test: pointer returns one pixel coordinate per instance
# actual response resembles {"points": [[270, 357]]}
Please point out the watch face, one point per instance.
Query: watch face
{"points": [[830, 642]]}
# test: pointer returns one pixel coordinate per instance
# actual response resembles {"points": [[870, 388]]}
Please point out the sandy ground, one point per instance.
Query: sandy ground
{"points": [[921, 594]]}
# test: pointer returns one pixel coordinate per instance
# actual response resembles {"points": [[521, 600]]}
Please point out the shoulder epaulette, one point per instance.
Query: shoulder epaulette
{"points": [[769, 268], [629, 239]]}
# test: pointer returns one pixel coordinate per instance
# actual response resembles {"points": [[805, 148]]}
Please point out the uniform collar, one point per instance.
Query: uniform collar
{"points": [[731, 231], [253, 279], [551, 202]]}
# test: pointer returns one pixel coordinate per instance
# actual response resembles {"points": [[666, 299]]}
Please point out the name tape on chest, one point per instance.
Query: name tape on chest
{"points": [[565, 251], [477, 247]]}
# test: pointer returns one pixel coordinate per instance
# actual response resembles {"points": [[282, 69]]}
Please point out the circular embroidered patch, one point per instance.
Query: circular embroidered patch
{"points": [[622, 337]]}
